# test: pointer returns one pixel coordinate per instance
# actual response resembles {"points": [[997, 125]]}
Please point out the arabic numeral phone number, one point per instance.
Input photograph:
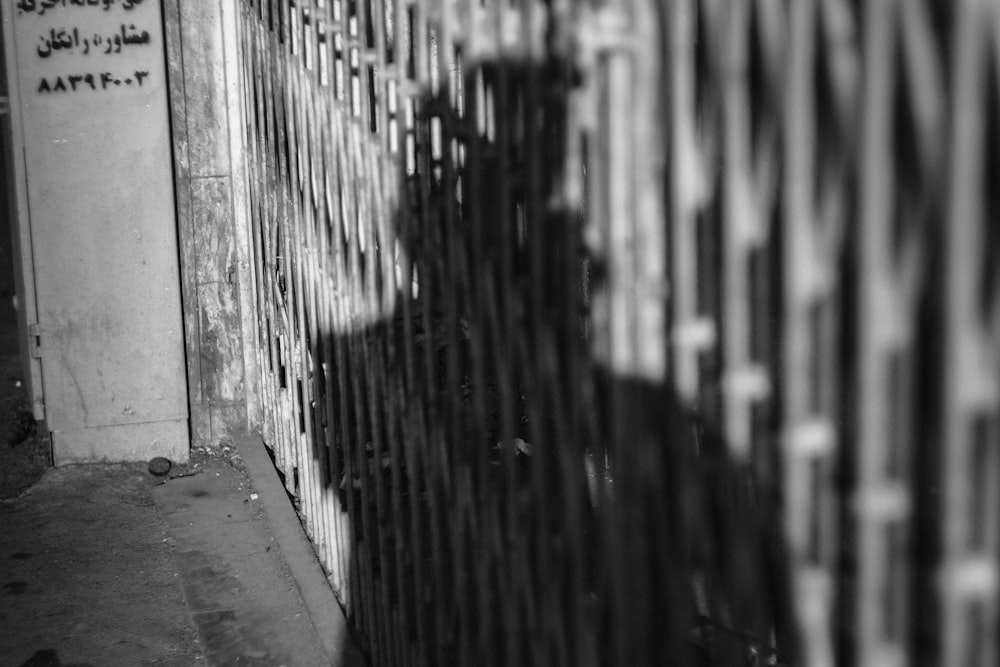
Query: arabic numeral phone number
{"points": [[101, 81]]}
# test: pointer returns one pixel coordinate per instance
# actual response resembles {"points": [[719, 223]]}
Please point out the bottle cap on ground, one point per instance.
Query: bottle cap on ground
{"points": [[159, 466]]}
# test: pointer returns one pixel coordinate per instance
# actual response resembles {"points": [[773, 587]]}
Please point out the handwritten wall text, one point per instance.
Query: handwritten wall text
{"points": [[70, 41], [42, 6], [66, 83], [92, 37]]}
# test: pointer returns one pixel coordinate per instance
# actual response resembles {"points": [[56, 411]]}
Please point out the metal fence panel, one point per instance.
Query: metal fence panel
{"points": [[635, 331]]}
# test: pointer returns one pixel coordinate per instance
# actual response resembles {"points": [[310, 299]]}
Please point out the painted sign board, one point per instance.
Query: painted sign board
{"points": [[91, 100]]}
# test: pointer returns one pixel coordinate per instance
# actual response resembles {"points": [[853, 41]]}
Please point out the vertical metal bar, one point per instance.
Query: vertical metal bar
{"points": [[808, 438], [969, 577], [689, 333], [873, 407]]}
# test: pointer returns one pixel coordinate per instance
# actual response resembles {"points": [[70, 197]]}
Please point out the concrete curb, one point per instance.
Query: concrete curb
{"points": [[326, 613]]}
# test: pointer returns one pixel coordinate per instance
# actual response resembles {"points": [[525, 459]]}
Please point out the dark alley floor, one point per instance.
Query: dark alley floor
{"points": [[108, 565]]}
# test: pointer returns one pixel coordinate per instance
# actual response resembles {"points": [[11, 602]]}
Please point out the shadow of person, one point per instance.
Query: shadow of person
{"points": [[512, 499]]}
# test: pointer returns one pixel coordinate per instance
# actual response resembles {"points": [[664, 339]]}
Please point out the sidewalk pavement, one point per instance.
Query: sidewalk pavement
{"points": [[108, 565]]}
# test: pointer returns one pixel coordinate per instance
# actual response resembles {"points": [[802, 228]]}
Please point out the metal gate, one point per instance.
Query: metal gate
{"points": [[635, 332]]}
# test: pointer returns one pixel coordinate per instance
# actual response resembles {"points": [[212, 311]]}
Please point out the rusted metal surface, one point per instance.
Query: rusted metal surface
{"points": [[635, 332]]}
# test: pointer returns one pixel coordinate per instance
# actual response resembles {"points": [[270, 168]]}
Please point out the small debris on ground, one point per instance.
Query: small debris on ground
{"points": [[159, 466]]}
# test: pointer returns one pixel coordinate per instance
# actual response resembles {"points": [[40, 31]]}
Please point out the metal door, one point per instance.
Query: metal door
{"points": [[89, 110]]}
